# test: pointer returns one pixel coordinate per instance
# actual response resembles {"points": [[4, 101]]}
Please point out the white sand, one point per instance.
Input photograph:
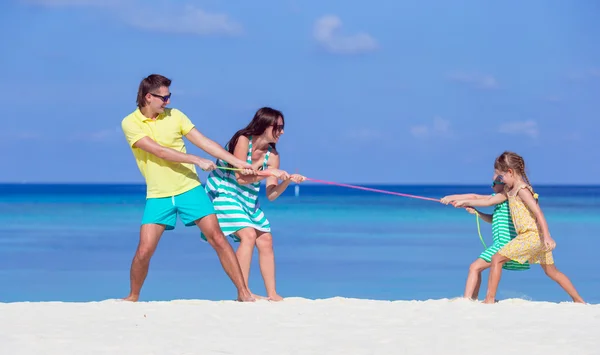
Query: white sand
{"points": [[300, 326]]}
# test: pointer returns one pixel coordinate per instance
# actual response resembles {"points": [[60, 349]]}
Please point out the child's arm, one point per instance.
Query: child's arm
{"points": [[533, 206], [482, 202], [484, 216], [451, 198]]}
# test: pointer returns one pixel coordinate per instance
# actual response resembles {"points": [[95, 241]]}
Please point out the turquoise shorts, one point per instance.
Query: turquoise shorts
{"points": [[190, 206]]}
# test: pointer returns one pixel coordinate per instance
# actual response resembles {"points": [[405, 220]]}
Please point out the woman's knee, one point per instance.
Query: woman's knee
{"points": [[247, 235], [265, 241]]}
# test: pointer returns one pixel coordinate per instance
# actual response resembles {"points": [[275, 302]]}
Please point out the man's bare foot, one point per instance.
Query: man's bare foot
{"points": [[275, 298], [131, 298], [246, 297]]}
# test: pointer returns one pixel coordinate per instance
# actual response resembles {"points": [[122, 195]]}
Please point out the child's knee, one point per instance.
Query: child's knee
{"points": [[498, 259]]}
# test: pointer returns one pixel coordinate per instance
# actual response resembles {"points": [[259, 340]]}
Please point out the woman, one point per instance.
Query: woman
{"points": [[235, 196]]}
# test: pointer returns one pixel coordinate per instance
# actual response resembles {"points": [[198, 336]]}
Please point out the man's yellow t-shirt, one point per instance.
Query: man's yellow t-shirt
{"points": [[163, 178]]}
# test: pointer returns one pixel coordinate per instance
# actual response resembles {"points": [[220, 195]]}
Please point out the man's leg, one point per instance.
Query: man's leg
{"points": [[159, 214], [209, 225], [195, 207], [149, 236]]}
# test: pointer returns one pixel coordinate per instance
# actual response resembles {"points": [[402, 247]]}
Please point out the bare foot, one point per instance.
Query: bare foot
{"points": [[489, 301], [275, 298], [259, 297], [131, 298], [579, 300], [246, 297]]}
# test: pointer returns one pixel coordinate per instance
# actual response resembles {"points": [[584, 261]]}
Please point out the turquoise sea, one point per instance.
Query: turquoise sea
{"points": [[75, 243]]}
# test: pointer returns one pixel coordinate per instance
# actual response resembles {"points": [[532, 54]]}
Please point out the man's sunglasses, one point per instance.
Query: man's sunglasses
{"points": [[163, 98]]}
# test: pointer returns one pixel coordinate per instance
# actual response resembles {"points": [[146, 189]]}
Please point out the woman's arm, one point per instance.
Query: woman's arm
{"points": [[274, 189], [241, 151], [482, 202]]}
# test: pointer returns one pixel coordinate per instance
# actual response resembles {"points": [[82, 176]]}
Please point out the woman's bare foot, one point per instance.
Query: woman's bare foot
{"points": [[275, 298]]}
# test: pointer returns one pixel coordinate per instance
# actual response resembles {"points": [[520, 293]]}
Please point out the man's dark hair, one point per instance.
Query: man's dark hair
{"points": [[150, 83]]}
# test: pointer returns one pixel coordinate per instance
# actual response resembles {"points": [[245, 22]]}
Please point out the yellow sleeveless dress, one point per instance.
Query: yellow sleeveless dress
{"points": [[527, 245]]}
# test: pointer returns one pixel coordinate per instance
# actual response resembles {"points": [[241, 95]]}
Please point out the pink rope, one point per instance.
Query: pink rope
{"points": [[373, 190]]}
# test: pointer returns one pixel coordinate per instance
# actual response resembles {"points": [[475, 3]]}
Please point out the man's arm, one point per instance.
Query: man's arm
{"points": [[212, 148], [150, 146], [138, 139]]}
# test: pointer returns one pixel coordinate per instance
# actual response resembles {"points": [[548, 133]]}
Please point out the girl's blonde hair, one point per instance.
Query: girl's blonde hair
{"points": [[511, 160]]}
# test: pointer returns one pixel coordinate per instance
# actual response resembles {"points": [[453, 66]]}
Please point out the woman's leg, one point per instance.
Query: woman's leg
{"points": [[266, 259], [563, 281], [245, 249], [494, 279], [474, 278]]}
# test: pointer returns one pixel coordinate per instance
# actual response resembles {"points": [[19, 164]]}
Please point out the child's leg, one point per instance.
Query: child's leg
{"points": [[563, 281], [494, 279], [266, 260], [474, 278]]}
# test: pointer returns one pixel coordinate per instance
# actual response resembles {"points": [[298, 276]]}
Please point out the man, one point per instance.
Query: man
{"points": [[155, 134]]}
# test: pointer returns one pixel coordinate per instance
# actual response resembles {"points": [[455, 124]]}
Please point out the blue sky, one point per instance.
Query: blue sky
{"points": [[384, 91]]}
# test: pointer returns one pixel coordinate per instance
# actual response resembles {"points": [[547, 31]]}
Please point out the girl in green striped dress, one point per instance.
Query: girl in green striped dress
{"points": [[503, 231], [235, 196]]}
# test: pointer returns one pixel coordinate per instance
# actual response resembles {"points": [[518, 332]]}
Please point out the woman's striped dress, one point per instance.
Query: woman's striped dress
{"points": [[236, 205], [503, 231]]}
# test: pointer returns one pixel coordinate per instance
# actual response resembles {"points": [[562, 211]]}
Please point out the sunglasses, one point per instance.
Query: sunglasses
{"points": [[163, 98], [498, 181]]}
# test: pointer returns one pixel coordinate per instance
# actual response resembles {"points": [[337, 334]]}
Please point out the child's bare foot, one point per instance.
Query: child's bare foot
{"points": [[489, 301], [259, 297], [275, 298]]}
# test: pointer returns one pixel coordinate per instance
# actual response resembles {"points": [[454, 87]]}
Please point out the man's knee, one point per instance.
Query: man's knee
{"points": [[149, 237], [209, 226]]}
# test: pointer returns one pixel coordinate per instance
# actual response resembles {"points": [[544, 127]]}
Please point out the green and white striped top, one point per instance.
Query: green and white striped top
{"points": [[237, 206]]}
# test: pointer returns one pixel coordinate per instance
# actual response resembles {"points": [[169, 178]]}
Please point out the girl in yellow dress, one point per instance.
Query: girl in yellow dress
{"points": [[533, 242]]}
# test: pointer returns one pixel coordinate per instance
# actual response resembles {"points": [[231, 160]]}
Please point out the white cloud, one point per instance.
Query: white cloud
{"points": [[527, 128], [327, 32], [477, 80], [166, 17], [439, 128]]}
